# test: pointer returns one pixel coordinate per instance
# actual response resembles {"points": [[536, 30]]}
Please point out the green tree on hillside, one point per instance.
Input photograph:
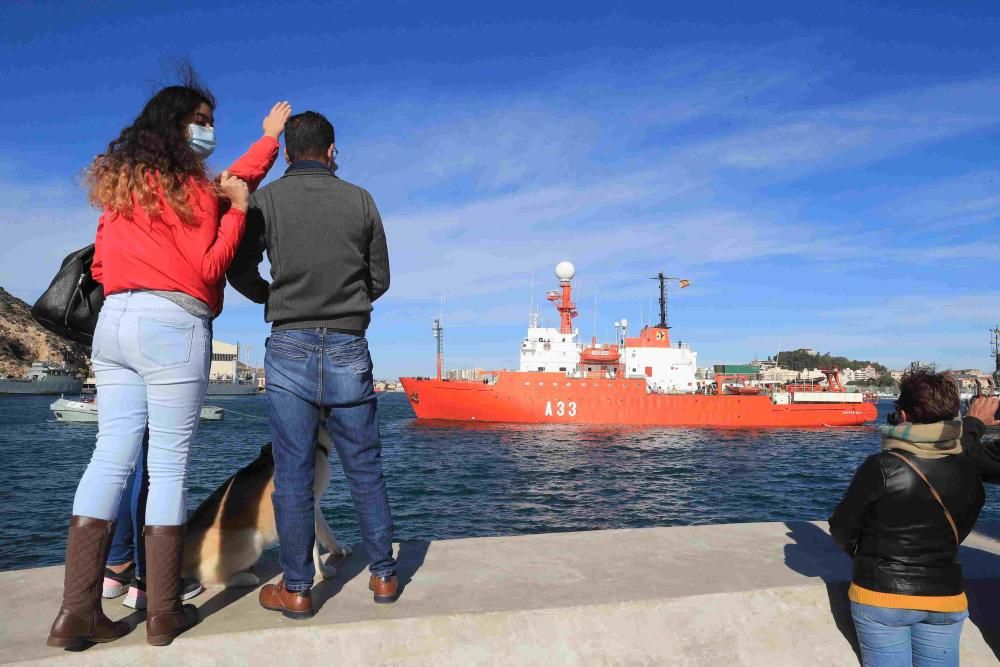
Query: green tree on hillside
{"points": [[799, 360]]}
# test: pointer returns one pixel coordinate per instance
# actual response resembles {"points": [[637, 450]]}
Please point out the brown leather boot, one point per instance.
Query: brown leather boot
{"points": [[292, 604], [166, 617], [386, 589], [81, 619]]}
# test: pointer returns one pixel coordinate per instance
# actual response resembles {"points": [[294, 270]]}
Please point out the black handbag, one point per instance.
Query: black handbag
{"points": [[69, 307]]}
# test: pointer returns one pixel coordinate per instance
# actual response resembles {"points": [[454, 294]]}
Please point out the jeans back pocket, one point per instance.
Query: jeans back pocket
{"points": [[165, 343], [287, 347], [353, 355]]}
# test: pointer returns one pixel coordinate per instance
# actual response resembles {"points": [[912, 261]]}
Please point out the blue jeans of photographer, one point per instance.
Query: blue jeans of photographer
{"points": [[904, 637]]}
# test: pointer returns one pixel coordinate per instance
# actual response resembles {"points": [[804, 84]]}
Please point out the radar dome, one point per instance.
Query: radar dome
{"points": [[624, 324], [565, 271]]}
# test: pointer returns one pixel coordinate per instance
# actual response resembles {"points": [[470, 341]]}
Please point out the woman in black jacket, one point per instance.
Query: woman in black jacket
{"points": [[902, 518]]}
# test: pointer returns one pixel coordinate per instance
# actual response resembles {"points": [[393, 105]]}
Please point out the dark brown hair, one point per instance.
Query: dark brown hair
{"points": [[152, 155], [308, 135], [928, 397]]}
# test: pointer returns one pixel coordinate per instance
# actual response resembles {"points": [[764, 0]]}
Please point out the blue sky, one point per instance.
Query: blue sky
{"points": [[825, 175]]}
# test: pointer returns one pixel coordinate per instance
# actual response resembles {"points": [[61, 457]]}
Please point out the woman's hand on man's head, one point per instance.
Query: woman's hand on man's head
{"points": [[274, 122]]}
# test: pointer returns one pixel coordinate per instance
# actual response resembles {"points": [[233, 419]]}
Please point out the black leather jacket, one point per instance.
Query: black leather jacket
{"points": [[895, 530], [986, 456]]}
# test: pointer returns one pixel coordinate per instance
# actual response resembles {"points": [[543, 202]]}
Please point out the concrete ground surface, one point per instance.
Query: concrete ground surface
{"points": [[738, 594]]}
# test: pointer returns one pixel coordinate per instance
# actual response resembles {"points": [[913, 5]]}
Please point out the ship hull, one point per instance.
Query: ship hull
{"points": [[47, 387], [554, 398], [229, 389]]}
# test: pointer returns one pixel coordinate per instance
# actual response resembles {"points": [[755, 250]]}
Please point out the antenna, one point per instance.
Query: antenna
{"points": [[439, 339]]}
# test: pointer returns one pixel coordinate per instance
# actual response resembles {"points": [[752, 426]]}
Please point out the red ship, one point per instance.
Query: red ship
{"points": [[641, 380]]}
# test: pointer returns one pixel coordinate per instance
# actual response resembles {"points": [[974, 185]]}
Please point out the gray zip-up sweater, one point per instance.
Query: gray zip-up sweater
{"points": [[327, 249]]}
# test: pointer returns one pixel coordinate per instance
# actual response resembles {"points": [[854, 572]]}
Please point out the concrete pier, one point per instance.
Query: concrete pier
{"points": [[741, 594]]}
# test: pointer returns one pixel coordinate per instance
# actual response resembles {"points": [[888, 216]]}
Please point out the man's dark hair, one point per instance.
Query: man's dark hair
{"points": [[308, 136], [928, 397]]}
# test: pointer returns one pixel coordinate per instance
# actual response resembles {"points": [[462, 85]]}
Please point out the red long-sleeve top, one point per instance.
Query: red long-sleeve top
{"points": [[137, 252]]}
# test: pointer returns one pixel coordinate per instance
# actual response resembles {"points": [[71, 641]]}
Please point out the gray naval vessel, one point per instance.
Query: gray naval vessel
{"points": [[42, 378]]}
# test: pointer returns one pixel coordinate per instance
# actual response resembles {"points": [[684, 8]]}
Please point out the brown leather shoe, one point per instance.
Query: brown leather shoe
{"points": [[386, 589], [166, 617], [292, 604], [81, 619]]}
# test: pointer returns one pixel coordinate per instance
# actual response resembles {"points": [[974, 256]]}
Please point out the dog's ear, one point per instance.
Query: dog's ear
{"points": [[266, 451]]}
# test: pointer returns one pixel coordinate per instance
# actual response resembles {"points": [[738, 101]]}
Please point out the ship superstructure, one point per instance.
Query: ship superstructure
{"points": [[643, 379], [42, 378]]}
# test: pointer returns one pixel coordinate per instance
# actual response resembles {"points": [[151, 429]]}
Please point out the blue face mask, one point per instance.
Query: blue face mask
{"points": [[201, 139]]}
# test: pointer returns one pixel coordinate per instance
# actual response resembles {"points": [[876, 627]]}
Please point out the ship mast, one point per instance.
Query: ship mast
{"points": [[663, 299], [663, 296], [995, 341], [439, 339], [564, 302]]}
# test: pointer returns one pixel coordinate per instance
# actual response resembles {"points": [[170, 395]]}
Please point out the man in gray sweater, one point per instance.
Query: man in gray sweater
{"points": [[329, 262]]}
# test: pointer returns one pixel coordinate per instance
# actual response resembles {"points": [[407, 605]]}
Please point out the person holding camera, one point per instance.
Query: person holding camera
{"points": [[902, 519]]}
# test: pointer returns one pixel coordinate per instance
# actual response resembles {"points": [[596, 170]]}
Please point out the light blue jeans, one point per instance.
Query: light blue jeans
{"points": [[904, 637], [151, 360]]}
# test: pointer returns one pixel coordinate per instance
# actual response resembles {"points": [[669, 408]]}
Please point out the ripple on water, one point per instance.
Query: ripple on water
{"points": [[462, 480]]}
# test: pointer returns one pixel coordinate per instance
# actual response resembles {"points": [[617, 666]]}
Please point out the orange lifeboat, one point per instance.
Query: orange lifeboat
{"points": [[744, 390], [600, 354]]}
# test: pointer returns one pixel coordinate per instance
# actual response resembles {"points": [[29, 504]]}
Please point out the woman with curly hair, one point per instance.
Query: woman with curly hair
{"points": [[165, 238]]}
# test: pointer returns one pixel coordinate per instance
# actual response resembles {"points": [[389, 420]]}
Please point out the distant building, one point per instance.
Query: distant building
{"points": [[226, 362], [765, 365], [780, 375], [896, 375], [971, 380], [467, 374], [867, 373]]}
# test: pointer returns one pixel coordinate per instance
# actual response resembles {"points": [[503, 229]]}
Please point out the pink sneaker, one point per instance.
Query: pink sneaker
{"points": [[136, 598], [115, 584]]}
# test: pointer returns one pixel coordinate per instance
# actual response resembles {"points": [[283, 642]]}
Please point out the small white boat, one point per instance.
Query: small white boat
{"points": [[211, 413], [74, 411], [85, 411]]}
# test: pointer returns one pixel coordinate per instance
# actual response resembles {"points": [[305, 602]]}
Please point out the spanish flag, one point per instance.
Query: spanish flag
{"points": [[684, 283]]}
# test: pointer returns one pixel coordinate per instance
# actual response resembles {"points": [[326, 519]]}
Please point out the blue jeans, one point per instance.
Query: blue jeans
{"points": [[310, 369], [904, 637], [151, 359], [128, 544]]}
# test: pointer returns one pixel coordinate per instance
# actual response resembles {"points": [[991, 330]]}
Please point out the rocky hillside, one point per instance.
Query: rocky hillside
{"points": [[22, 341]]}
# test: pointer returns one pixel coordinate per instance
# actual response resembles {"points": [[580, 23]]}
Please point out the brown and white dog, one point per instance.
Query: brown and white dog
{"points": [[230, 530]]}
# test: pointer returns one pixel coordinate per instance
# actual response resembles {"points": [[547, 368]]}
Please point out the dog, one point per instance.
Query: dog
{"points": [[230, 530]]}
